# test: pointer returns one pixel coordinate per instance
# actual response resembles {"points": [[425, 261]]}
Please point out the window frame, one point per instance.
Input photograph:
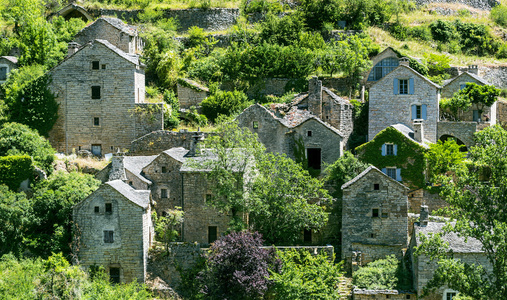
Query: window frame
{"points": [[389, 149], [95, 65], [96, 93], [309, 133], [391, 169], [255, 124], [108, 236], [164, 193], [375, 212], [403, 86], [96, 121], [108, 208]]}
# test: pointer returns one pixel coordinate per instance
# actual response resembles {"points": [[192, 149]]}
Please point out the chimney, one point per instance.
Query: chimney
{"points": [[117, 167], [72, 48], [404, 61], [315, 96], [418, 130], [424, 216], [196, 138], [473, 69]]}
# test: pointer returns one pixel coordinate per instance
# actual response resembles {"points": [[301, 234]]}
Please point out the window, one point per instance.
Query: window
{"points": [[96, 121], [108, 236], [164, 169], [376, 186], [131, 183], [3, 73], [103, 67], [309, 133], [383, 68], [375, 213], [407, 297], [255, 125], [97, 209], [114, 275], [389, 149], [95, 65], [403, 86], [163, 193], [476, 116], [314, 158], [372, 235], [95, 92], [419, 111], [449, 294], [462, 85], [109, 208], [391, 172], [212, 234]]}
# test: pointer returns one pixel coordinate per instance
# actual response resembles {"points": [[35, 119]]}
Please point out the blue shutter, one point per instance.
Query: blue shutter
{"points": [[411, 86], [423, 111], [395, 150], [384, 150], [384, 170], [396, 86], [398, 174], [476, 115], [414, 112]]}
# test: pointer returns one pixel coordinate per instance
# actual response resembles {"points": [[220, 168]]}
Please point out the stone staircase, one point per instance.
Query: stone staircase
{"points": [[345, 286]]}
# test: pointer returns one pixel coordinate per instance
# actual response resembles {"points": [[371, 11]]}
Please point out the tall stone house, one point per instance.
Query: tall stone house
{"points": [[115, 230], [374, 218]]}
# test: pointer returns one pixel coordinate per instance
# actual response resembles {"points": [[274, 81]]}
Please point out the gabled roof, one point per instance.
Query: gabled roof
{"points": [[368, 170], [136, 164], [302, 96], [203, 162], [120, 25], [194, 84], [177, 153], [12, 59], [133, 58], [413, 71], [456, 243], [474, 76], [409, 134], [139, 197]]}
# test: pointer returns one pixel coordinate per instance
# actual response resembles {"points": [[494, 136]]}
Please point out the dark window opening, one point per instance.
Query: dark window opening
{"points": [[212, 234], [255, 125], [164, 169], [109, 208], [385, 215], [403, 86], [96, 121], [391, 172], [307, 236], [103, 67], [95, 92], [114, 275], [389, 149], [309, 133], [418, 112], [450, 295], [408, 297], [79, 147], [372, 235], [3, 73], [163, 193], [108, 236], [375, 213], [314, 158], [376, 186], [387, 297], [130, 183], [97, 150], [95, 65], [97, 209], [112, 148]]}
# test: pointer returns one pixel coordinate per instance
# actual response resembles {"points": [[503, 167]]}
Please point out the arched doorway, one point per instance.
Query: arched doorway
{"points": [[447, 137]]}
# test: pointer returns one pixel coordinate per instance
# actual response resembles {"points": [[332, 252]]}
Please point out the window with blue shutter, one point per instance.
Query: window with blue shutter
{"points": [[414, 112], [392, 172], [411, 86], [395, 86], [395, 150], [476, 115], [423, 111], [384, 150], [384, 170], [398, 174]]}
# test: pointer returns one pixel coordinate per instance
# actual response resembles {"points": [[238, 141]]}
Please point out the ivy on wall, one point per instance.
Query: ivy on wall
{"points": [[14, 169], [410, 156]]}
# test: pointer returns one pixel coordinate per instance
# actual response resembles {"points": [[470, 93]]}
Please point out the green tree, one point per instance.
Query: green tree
{"points": [[289, 200], [442, 157], [51, 211], [14, 217], [383, 274], [167, 226], [19, 139], [171, 115], [224, 103], [476, 195], [481, 95], [343, 170], [318, 13], [306, 276], [456, 106]]}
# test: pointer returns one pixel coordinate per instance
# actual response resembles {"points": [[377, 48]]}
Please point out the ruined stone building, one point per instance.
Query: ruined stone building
{"points": [[374, 218], [100, 91], [115, 230], [190, 93], [7, 64]]}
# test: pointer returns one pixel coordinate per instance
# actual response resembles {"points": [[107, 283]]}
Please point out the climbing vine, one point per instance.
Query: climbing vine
{"points": [[410, 156]]}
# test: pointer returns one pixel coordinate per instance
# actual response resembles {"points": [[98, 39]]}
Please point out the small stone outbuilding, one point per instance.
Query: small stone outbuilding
{"points": [[191, 93], [374, 218], [115, 230]]}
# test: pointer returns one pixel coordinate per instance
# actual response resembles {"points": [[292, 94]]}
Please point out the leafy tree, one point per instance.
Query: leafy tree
{"points": [[14, 169], [476, 195], [171, 117], [18, 79], [282, 31], [343, 170], [382, 274], [457, 105], [14, 209], [18, 139], [317, 13], [361, 13], [167, 226], [306, 276], [481, 95], [237, 267], [224, 103], [442, 157], [287, 198], [51, 212]]}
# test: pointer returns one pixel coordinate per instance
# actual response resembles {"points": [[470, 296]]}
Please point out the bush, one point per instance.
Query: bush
{"points": [[420, 32], [224, 103], [443, 31], [499, 15], [171, 113], [14, 169], [382, 274], [502, 51], [399, 31]]}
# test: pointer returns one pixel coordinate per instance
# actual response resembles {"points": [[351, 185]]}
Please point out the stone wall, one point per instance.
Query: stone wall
{"points": [[149, 118], [363, 294], [157, 141], [480, 4], [464, 131], [455, 86], [501, 113], [190, 97], [423, 197]]}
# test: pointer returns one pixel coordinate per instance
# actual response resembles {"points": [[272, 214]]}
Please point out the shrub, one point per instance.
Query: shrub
{"points": [[499, 15], [443, 31], [382, 274], [502, 51], [224, 103], [14, 169], [171, 113], [420, 32], [399, 31]]}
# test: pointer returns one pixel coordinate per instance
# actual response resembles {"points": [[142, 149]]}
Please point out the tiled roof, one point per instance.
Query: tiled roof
{"points": [[476, 77], [409, 134], [139, 197], [12, 59], [120, 25], [456, 243], [136, 164], [133, 58], [177, 153], [368, 170], [203, 162]]}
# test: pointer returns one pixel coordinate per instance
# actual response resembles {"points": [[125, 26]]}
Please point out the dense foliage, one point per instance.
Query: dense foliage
{"points": [[383, 274], [14, 169], [224, 103], [343, 170], [481, 95], [167, 225], [442, 157], [14, 217]]}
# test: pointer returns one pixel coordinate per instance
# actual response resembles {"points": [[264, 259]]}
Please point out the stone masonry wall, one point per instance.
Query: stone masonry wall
{"points": [[480, 4], [382, 294], [379, 236], [386, 108], [463, 131], [130, 224], [455, 86], [157, 141], [149, 118], [72, 83], [501, 113], [189, 97], [105, 31]]}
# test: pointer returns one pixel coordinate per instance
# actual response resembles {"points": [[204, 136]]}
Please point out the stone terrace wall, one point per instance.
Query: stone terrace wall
{"points": [[358, 294], [501, 113], [480, 4], [157, 141], [463, 131]]}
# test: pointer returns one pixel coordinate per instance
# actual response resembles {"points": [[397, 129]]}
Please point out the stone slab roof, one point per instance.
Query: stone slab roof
{"points": [[138, 197], [202, 162], [476, 77], [133, 58], [456, 243], [136, 164], [177, 153], [409, 134], [368, 170], [413, 71], [12, 59], [120, 25], [337, 99], [195, 84]]}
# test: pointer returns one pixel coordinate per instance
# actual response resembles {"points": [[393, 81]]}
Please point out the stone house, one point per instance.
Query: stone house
{"points": [[374, 218], [100, 91], [115, 230], [190, 93], [407, 97], [72, 10], [123, 36], [7, 64], [174, 182], [298, 128], [468, 251], [383, 63]]}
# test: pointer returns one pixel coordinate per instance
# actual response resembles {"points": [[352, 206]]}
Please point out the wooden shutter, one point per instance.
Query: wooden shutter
{"points": [[384, 150], [423, 111], [398, 174], [414, 112], [411, 86], [396, 86]]}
